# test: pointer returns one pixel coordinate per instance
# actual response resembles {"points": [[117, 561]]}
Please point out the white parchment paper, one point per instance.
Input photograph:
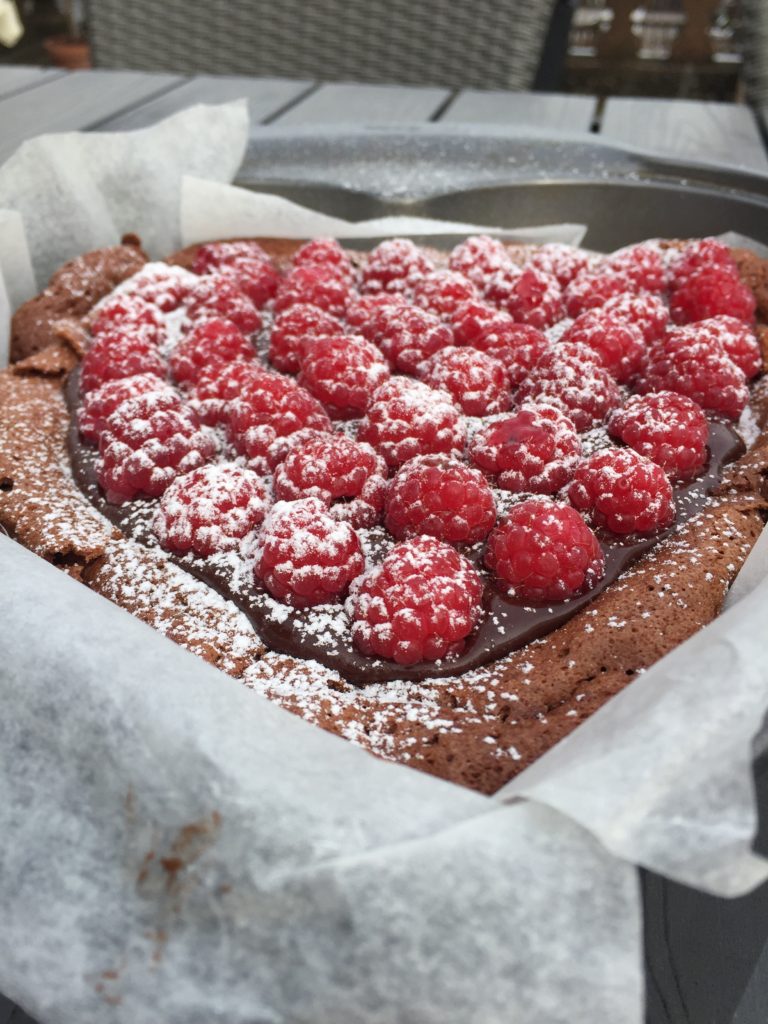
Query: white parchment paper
{"points": [[176, 848]]}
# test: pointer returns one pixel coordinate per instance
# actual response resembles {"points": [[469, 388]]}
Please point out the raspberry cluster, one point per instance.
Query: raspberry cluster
{"points": [[282, 412]]}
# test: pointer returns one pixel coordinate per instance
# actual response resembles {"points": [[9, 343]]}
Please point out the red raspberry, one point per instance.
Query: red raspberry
{"points": [[517, 346], [217, 295], [478, 258], [618, 344], [364, 312], [669, 429], [408, 336], [116, 355], [326, 254], [701, 253], [561, 261], [712, 291], [348, 476], [443, 291], [395, 265], [406, 418], [218, 384], [293, 328], [209, 343], [148, 441], [268, 408], [163, 286], [573, 383], [646, 311], [210, 509], [533, 449], [343, 371], [478, 383], [643, 264], [100, 403], [128, 314], [544, 551], [736, 338], [304, 556], [213, 255], [419, 604], [696, 366], [624, 492], [313, 286], [593, 288], [529, 295], [442, 497]]}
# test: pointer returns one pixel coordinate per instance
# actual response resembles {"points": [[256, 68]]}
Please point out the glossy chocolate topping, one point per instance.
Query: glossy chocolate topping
{"points": [[314, 634]]}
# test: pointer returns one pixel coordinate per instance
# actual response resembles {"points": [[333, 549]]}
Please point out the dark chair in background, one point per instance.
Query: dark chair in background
{"points": [[489, 44]]}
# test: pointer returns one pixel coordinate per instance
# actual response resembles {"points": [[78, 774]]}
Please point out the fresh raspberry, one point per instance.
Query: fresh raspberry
{"points": [[701, 253], [406, 418], [128, 314], [571, 381], [346, 475], [293, 328], [443, 291], [442, 497], [669, 429], [536, 449], [326, 254], [245, 262], [593, 288], [408, 336], [163, 286], [697, 366], [213, 255], [624, 492], [712, 291], [529, 295], [313, 286], [736, 338], [646, 311], [478, 258], [98, 405], [618, 343], [643, 264], [116, 355], [304, 556], [364, 312], [478, 383], [210, 509], [148, 441], [419, 604], [517, 346], [544, 551], [561, 261], [217, 295], [343, 371], [218, 384], [395, 265], [209, 343], [268, 408]]}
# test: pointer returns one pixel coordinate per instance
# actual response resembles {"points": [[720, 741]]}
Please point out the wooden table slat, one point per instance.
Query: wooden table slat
{"points": [[722, 132], [266, 96], [17, 77], [75, 101], [548, 111], [345, 103]]}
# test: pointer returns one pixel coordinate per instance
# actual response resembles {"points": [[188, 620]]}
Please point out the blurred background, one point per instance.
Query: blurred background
{"points": [[698, 49]]}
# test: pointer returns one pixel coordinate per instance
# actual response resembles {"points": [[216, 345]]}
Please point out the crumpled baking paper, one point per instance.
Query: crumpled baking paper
{"points": [[177, 848]]}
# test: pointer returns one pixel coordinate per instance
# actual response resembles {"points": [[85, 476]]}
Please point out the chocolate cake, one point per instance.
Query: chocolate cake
{"points": [[534, 380]]}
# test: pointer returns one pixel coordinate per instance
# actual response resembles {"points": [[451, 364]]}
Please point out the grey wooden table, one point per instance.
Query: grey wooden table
{"points": [[37, 100]]}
